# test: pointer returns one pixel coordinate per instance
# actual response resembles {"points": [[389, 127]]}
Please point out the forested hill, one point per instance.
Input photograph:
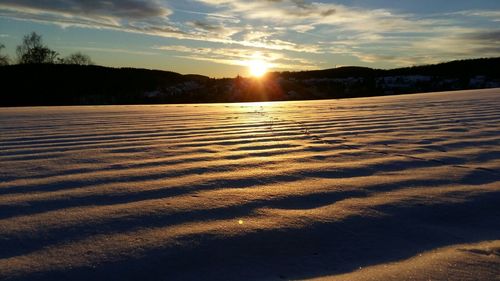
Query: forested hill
{"points": [[459, 68], [59, 84]]}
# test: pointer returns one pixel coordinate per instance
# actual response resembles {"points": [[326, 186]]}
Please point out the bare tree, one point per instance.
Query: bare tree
{"points": [[4, 59], [77, 58], [32, 51]]}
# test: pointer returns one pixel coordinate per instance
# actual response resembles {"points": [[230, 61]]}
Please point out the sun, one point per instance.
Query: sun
{"points": [[257, 68]]}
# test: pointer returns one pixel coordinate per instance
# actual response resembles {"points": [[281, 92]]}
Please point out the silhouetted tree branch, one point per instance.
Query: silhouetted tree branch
{"points": [[78, 59], [4, 59], [32, 51]]}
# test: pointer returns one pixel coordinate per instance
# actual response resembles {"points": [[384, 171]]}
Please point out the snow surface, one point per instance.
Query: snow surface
{"points": [[389, 188]]}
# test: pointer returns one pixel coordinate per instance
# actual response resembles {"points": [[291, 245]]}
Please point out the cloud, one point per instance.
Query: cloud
{"points": [[457, 43], [205, 26], [275, 10], [131, 9], [207, 30], [319, 30], [303, 28], [145, 17], [114, 50], [239, 56], [490, 14], [488, 37], [127, 15], [255, 35]]}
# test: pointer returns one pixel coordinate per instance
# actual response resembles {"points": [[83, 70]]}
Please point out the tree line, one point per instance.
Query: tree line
{"points": [[32, 50]]}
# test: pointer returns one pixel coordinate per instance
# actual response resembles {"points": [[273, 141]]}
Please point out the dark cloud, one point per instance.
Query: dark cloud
{"points": [[153, 28], [484, 36], [53, 18], [328, 12], [130, 9], [489, 50], [302, 4], [484, 42], [206, 26], [298, 3], [306, 9], [148, 17]]}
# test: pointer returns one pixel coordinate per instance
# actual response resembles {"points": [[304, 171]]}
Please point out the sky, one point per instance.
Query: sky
{"points": [[219, 38]]}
